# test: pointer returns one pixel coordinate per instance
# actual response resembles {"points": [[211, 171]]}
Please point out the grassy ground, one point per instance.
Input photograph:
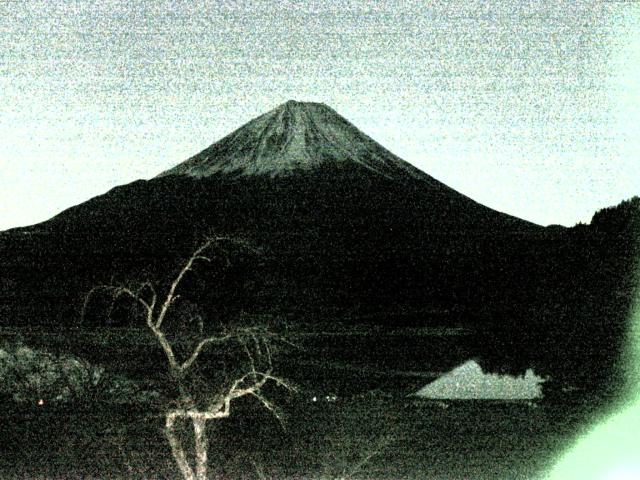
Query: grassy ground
{"points": [[372, 430], [367, 436]]}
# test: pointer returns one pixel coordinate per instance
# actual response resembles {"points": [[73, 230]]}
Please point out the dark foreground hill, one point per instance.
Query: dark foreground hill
{"points": [[342, 230]]}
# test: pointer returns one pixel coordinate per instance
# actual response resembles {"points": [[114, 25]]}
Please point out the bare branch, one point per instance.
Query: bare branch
{"points": [[255, 334], [203, 343], [174, 368], [197, 255], [269, 358], [236, 392], [269, 406], [87, 299], [251, 361], [154, 296], [117, 292], [281, 382], [261, 379]]}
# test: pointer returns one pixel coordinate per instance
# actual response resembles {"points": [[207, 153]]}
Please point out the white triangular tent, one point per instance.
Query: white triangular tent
{"points": [[469, 382]]}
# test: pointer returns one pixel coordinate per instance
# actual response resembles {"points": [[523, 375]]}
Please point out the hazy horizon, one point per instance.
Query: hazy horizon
{"points": [[529, 109]]}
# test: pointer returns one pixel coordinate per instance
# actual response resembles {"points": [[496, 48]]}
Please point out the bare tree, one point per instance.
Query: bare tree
{"points": [[255, 342]]}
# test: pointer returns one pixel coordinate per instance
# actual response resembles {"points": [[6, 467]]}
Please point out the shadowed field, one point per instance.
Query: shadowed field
{"points": [[374, 435]]}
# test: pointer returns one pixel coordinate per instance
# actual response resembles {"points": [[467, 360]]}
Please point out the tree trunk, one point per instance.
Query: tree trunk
{"points": [[176, 449], [199, 428]]}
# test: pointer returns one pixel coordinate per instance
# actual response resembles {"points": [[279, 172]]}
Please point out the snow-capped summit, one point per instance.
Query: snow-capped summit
{"points": [[294, 137]]}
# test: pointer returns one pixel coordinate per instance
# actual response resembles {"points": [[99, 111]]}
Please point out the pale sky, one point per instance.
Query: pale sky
{"points": [[529, 107]]}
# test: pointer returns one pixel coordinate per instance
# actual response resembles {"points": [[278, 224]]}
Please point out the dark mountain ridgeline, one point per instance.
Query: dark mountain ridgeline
{"points": [[348, 235], [579, 315]]}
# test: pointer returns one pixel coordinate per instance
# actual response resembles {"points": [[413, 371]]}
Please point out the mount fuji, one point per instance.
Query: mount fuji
{"points": [[345, 231], [344, 223]]}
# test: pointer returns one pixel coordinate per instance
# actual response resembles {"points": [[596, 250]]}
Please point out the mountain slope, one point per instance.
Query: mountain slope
{"points": [[295, 137], [345, 225]]}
